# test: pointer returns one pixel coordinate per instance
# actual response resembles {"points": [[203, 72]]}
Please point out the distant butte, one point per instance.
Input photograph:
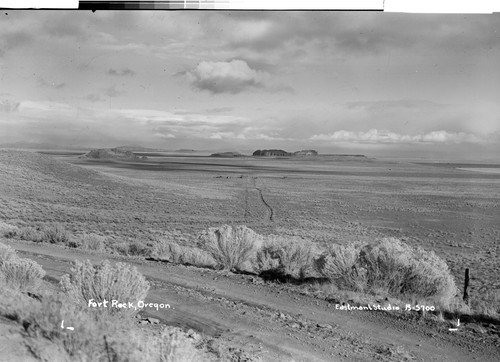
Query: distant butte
{"points": [[112, 154], [281, 153]]}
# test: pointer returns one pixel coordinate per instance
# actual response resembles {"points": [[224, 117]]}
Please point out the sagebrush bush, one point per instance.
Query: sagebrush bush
{"points": [[92, 241], [388, 263], [340, 264], [430, 277], [181, 254], [171, 345], [105, 281], [231, 247], [55, 234], [19, 273], [86, 341], [287, 257], [8, 230], [405, 271], [96, 336], [138, 248], [6, 253], [29, 233], [391, 267]]}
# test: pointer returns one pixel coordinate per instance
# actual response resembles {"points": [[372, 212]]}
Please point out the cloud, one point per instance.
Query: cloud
{"points": [[384, 136], [8, 106], [164, 135], [219, 110], [230, 77], [121, 73], [113, 92]]}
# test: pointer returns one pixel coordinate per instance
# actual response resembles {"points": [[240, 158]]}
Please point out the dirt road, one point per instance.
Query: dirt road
{"points": [[256, 318]]}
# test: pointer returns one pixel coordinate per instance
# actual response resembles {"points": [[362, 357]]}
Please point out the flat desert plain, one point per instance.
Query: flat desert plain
{"points": [[445, 207]]}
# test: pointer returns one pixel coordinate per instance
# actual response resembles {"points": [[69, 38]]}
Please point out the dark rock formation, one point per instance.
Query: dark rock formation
{"points": [[227, 154], [271, 153]]}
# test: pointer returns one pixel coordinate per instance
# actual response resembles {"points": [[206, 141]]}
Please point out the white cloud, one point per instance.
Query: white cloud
{"points": [[234, 76], [166, 135], [384, 136]]}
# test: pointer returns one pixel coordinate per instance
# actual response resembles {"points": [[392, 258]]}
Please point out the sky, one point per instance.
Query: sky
{"points": [[413, 85]]}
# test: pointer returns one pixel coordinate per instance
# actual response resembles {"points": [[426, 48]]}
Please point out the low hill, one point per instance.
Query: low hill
{"points": [[227, 154], [29, 167], [112, 154], [141, 149]]}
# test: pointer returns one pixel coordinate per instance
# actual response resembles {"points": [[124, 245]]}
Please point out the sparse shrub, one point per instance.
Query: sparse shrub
{"points": [[74, 243], [29, 233], [120, 282], [19, 273], [340, 265], [6, 253], [171, 345], [8, 230], [231, 247], [92, 242], [55, 234], [286, 257], [180, 254], [138, 248]]}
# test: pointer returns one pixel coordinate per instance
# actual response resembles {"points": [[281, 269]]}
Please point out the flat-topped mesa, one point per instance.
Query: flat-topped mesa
{"points": [[271, 153], [281, 153], [112, 153]]}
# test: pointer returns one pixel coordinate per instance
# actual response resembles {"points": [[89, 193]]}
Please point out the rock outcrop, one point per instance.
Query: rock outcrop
{"points": [[227, 154], [271, 153], [281, 153]]}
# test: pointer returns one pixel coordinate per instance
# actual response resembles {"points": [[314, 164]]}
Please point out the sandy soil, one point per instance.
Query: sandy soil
{"points": [[249, 317]]}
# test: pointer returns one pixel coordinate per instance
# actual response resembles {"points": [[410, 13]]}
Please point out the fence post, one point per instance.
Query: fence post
{"points": [[466, 286]]}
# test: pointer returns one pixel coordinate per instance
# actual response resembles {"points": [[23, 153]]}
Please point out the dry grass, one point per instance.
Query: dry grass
{"points": [[286, 257], [487, 303], [109, 282], [231, 247]]}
